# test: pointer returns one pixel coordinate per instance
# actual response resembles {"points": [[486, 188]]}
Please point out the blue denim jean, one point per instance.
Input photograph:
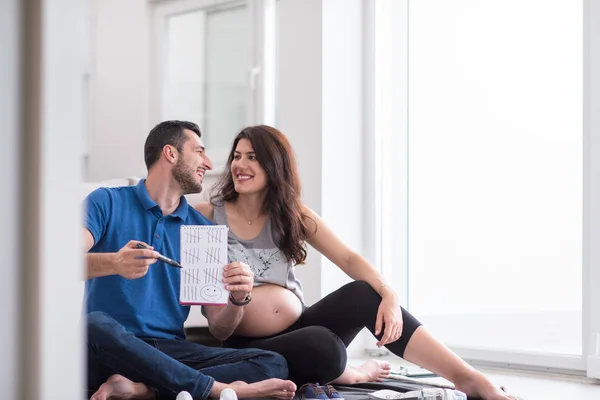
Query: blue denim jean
{"points": [[171, 366]]}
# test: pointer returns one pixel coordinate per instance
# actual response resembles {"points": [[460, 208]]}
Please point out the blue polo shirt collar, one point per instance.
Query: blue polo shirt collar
{"points": [[148, 203]]}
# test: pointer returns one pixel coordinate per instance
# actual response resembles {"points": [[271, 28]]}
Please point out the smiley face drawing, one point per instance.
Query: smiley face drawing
{"points": [[210, 293]]}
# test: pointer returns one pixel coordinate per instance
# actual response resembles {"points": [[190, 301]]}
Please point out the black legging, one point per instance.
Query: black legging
{"points": [[315, 345]]}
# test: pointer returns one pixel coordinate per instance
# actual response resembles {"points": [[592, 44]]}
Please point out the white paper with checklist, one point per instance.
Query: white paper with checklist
{"points": [[203, 256]]}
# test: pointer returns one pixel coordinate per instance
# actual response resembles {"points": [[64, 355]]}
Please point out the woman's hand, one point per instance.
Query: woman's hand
{"points": [[238, 279], [389, 318]]}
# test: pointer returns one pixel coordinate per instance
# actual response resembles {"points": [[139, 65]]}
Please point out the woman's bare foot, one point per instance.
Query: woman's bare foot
{"points": [[477, 385], [276, 388], [375, 371], [370, 371], [117, 387], [426, 351]]}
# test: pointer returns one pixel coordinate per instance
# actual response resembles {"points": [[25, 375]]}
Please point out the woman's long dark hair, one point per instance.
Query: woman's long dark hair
{"points": [[282, 200]]}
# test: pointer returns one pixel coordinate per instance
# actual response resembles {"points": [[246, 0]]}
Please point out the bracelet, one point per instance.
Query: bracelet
{"points": [[240, 303], [383, 285]]}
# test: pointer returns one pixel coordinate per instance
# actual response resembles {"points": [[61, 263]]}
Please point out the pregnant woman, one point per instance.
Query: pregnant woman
{"points": [[259, 199]]}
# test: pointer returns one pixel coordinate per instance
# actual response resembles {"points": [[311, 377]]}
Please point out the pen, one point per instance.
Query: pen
{"points": [[161, 257]]}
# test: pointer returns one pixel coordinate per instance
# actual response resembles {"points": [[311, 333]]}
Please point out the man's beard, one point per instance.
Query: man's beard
{"points": [[186, 178]]}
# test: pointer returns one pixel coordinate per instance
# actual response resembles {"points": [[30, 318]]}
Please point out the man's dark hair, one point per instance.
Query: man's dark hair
{"points": [[167, 133]]}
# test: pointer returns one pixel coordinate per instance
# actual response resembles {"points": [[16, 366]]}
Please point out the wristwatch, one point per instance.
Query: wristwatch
{"points": [[240, 303]]}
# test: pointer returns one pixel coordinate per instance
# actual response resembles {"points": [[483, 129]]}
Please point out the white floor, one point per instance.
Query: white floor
{"points": [[531, 385], [534, 386]]}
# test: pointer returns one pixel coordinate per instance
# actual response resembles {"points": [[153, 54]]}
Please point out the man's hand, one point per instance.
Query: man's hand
{"points": [[238, 279], [131, 262]]}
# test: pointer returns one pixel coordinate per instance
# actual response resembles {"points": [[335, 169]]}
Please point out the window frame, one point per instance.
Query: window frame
{"points": [[260, 75]]}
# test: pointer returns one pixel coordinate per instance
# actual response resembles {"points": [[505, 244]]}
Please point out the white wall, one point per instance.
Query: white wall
{"points": [[120, 79]]}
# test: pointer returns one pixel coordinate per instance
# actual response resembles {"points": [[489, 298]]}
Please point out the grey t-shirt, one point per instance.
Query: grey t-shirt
{"points": [[267, 262]]}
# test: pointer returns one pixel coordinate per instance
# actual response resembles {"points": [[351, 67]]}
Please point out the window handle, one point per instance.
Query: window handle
{"points": [[254, 72]]}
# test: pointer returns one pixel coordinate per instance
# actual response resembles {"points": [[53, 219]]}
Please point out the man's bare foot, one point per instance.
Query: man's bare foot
{"points": [[477, 385], [276, 388], [117, 387], [375, 371]]}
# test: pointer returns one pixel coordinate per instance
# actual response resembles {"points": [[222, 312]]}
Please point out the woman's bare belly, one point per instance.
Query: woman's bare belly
{"points": [[273, 309]]}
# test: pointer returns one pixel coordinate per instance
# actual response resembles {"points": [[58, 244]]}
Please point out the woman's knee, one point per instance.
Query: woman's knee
{"points": [[323, 338], [324, 345], [361, 290]]}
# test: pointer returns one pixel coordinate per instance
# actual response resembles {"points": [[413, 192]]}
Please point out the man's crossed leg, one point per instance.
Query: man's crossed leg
{"points": [[123, 366]]}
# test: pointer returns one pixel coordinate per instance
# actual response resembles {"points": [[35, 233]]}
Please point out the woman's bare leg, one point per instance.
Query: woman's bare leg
{"points": [[426, 351]]}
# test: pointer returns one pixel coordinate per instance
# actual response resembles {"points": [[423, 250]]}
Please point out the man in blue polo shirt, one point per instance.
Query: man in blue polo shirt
{"points": [[136, 340]]}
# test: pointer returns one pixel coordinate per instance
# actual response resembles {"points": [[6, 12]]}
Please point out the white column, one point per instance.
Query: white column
{"points": [[591, 127], [299, 102], [320, 108], [10, 77], [49, 230], [262, 76], [342, 133], [320, 101]]}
